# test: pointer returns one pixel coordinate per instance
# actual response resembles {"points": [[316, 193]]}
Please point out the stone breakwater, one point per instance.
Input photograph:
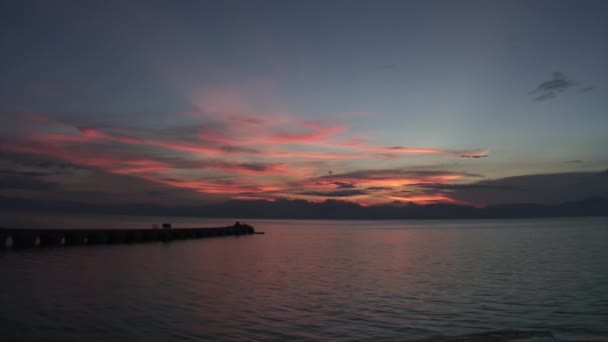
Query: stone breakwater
{"points": [[38, 238]]}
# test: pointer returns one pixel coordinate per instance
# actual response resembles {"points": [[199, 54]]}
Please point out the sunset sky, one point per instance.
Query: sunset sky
{"points": [[471, 102]]}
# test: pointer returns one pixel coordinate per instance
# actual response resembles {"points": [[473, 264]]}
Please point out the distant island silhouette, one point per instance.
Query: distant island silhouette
{"points": [[329, 209]]}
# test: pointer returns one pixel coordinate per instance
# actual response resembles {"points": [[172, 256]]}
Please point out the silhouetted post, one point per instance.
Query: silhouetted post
{"points": [[7, 240]]}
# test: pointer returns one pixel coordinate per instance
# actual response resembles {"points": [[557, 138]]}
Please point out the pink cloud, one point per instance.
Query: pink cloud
{"points": [[214, 137], [254, 156], [424, 199], [382, 179], [316, 134], [230, 188], [235, 109], [245, 168], [50, 146]]}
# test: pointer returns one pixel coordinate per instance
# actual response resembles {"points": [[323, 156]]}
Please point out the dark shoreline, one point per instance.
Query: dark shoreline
{"points": [[330, 209]]}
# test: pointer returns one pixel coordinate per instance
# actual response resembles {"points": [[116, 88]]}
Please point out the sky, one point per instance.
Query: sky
{"points": [[374, 102]]}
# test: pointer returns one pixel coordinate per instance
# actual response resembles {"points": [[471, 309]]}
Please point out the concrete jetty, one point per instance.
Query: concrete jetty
{"points": [[33, 238]]}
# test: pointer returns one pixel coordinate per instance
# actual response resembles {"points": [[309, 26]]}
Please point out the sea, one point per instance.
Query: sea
{"points": [[311, 280]]}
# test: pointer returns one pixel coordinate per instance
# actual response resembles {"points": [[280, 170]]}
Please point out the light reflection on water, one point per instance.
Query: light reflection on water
{"points": [[329, 280]]}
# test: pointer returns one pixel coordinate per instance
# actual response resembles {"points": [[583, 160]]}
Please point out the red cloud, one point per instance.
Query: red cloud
{"points": [[254, 157], [424, 199], [216, 187], [51, 146], [384, 178], [244, 168], [315, 135]]}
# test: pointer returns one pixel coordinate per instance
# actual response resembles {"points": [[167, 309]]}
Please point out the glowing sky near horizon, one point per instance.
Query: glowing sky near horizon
{"points": [[367, 101]]}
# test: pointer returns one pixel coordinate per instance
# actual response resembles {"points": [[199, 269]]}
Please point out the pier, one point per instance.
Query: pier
{"points": [[39, 238]]}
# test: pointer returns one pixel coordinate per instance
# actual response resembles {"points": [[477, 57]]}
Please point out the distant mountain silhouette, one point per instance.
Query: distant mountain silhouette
{"points": [[329, 209]]}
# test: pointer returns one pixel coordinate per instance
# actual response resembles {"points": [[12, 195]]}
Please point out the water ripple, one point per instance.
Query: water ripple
{"points": [[318, 280]]}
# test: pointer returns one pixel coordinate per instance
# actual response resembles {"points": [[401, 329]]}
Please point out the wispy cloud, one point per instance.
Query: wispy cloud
{"points": [[241, 155], [560, 83], [539, 188], [337, 193], [475, 155], [24, 182], [425, 199]]}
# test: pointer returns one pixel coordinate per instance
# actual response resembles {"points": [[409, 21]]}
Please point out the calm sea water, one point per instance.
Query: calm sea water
{"points": [[314, 280]]}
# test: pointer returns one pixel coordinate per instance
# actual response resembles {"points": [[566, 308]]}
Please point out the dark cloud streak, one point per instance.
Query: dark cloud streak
{"points": [[340, 193], [550, 89]]}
